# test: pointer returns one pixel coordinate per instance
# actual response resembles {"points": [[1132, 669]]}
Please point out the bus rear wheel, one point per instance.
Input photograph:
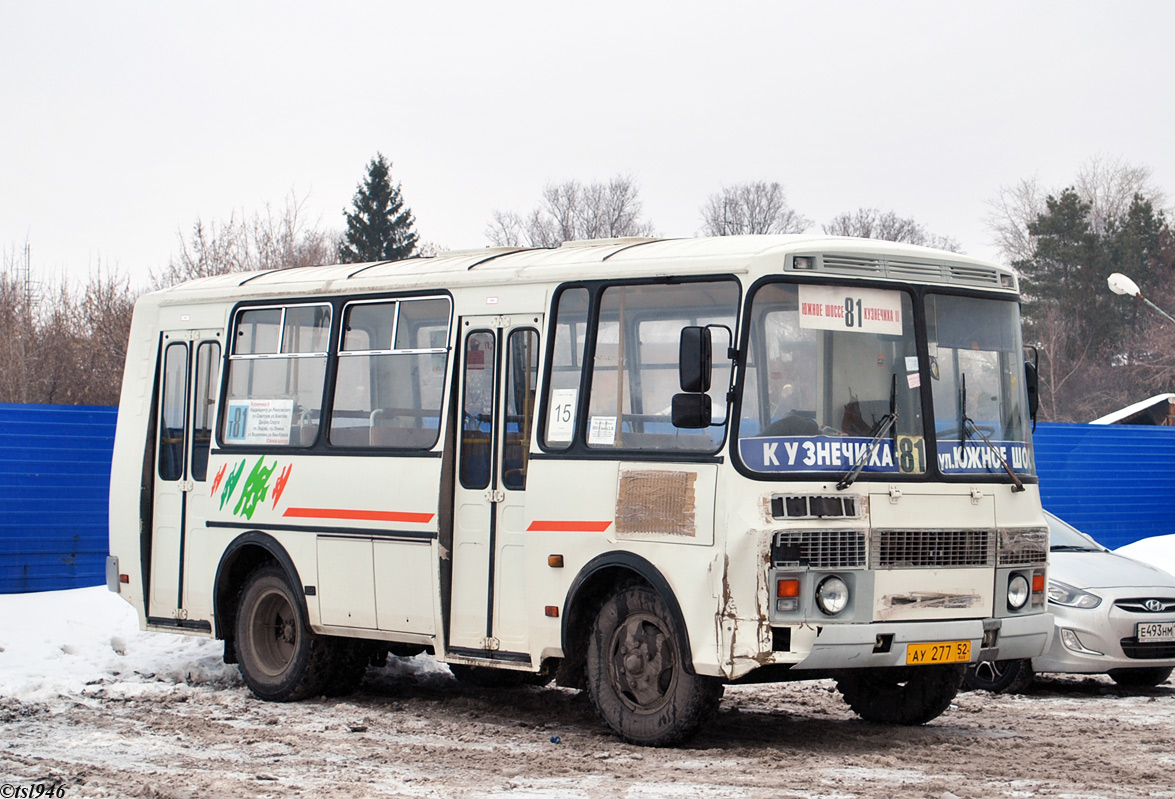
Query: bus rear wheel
{"points": [[280, 658], [901, 695], [636, 676]]}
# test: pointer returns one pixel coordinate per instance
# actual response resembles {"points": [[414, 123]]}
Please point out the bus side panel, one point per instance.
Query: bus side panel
{"points": [[572, 512]]}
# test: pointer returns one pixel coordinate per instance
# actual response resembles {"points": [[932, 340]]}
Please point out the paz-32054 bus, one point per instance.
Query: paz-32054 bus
{"points": [[644, 468]]}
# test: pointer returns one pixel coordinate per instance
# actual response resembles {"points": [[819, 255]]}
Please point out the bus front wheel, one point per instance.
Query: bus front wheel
{"points": [[636, 676], [901, 695], [280, 658]]}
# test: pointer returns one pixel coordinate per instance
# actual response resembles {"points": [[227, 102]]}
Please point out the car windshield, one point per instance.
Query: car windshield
{"points": [[1064, 537], [977, 384]]}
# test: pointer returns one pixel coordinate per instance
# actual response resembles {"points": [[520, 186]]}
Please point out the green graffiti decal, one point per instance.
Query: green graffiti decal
{"points": [[255, 489], [230, 483]]}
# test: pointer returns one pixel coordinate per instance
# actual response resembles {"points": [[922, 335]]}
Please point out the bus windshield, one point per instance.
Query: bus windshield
{"points": [[977, 385], [832, 381]]}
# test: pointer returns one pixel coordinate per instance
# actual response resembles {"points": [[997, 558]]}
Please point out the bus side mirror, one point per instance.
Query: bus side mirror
{"points": [[692, 408], [1032, 384], [695, 359]]}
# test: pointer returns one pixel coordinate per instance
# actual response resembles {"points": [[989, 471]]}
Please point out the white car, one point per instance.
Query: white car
{"points": [[1113, 615]]}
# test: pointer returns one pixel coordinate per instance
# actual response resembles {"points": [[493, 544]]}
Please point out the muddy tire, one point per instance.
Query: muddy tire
{"points": [[487, 677], [1147, 677], [281, 659], [636, 674], [902, 695], [999, 676]]}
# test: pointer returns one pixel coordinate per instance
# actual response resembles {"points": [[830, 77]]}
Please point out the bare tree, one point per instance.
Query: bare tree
{"points": [[749, 208], [872, 223], [66, 344], [570, 211], [1108, 185], [267, 241]]}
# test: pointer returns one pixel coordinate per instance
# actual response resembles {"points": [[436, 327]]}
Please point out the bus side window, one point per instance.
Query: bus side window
{"points": [[522, 365], [173, 412], [207, 367], [570, 331]]}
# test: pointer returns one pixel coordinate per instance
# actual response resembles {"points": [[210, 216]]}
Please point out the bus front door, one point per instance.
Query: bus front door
{"points": [[187, 375], [498, 383]]}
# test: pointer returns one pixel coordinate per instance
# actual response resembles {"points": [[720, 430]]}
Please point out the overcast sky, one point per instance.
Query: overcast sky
{"points": [[122, 123]]}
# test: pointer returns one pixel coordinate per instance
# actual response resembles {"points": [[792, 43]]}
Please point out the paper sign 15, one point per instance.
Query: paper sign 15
{"points": [[851, 309]]}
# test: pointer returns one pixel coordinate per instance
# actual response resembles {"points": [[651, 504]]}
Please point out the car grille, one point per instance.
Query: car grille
{"points": [[1139, 605], [1152, 650], [919, 549], [823, 549]]}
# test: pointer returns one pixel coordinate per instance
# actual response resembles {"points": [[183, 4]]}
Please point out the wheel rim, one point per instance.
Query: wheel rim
{"points": [[274, 630], [643, 663], [990, 672]]}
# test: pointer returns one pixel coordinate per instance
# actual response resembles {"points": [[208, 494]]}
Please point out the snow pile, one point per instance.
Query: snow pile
{"points": [[87, 641], [64, 643], [1158, 551]]}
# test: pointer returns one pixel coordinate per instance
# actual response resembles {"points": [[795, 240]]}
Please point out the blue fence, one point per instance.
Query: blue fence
{"points": [[1114, 482], [54, 490]]}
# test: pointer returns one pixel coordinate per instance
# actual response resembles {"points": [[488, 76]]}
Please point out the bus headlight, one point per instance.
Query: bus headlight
{"points": [[1018, 591], [832, 595]]}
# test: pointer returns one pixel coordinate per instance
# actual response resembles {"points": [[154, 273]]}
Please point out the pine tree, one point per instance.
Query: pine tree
{"points": [[380, 228]]}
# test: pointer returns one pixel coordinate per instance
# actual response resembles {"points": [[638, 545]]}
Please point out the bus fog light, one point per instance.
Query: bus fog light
{"points": [[787, 605], [1018, 592], [832, 595]]}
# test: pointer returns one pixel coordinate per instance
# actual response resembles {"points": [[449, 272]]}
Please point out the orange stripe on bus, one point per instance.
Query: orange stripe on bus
{"points": [[567, 527], [360, 515]]}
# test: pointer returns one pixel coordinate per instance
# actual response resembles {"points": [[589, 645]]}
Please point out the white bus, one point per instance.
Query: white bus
{"points": [[644, 468]]}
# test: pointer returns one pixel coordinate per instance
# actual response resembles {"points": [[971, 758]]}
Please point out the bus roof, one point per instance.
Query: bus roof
{"points": [[610, 258]]}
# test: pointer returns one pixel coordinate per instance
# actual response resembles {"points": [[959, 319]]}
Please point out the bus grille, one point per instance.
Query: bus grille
{"points": [[921, 549], [824, 549]]}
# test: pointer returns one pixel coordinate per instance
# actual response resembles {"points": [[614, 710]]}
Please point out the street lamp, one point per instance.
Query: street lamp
{"points": [[1120, 284]]}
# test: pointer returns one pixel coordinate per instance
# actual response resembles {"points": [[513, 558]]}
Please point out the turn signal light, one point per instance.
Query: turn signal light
{"points": [[552, 611], [125, 579], [787, 588]]}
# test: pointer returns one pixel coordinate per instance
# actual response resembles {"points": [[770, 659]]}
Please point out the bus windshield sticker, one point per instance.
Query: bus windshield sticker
{"points": [[258, 421], [820, 454], [602, 432], [851, 309], [561, 421], [975, 457]]}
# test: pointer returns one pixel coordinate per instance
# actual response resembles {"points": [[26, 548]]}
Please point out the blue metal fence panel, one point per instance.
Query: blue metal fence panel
{"points": [[1114, 482], [54, 496]]}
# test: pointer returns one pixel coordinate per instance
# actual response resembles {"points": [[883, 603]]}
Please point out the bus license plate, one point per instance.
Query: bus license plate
{"points": [[1156, 631], [942, 652]]}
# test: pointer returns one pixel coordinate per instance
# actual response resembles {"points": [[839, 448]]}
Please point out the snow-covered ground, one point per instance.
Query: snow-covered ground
{"points": [[93, 705]]}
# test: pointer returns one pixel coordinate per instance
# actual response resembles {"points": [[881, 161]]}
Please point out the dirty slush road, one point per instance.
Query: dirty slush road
{"points": [[426, 735]]}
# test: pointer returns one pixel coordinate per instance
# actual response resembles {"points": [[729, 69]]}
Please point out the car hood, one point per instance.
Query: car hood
{"points": [[1105, 570]]}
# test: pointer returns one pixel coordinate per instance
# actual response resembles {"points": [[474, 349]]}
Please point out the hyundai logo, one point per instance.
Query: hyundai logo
{"points": [[1153, 605]]}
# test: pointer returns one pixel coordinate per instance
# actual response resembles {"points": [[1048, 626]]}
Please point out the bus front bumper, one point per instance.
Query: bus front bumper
{"points": [[848, 646]]}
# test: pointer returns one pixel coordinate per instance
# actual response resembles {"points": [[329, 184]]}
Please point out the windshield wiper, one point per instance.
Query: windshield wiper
{"points": [[1016, 484], [879, 431], [966, 422], [1071, 548]]}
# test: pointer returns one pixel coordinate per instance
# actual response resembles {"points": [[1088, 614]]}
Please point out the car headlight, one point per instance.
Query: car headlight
{"points": [[1065, 594], [832, 595]]}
